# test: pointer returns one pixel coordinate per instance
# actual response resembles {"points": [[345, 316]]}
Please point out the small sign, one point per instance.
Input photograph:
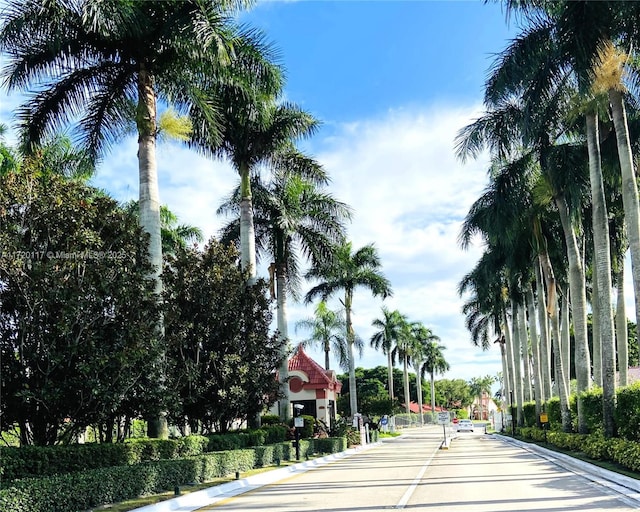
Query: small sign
{"points": [[298, 422], [544, 418], [443, 418], [384, 420]]}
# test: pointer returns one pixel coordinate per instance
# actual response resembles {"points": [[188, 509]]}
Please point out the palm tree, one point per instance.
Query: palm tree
{"points": [[347, 271], [425, 347], [106, 63], [480, 385], [389, 332], [175, 236], [258, 133], [403, 351], [434, 363], [328, 331], [292, 216]]}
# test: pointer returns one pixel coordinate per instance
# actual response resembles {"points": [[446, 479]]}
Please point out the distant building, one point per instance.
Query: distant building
{"points": [[482, 407]]}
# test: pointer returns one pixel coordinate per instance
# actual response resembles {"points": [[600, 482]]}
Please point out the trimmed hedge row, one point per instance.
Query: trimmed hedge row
{"points": [[38, 461], [86, 489], [626, 415], [83, 490], [622, 451]]}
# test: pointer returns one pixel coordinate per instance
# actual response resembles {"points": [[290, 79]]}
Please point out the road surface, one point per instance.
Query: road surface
{"points": [[478, 473]]}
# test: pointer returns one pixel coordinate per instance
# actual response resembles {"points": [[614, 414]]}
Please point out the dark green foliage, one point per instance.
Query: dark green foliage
{"points": [[270, 419], [83, 490], [223, 358], [627, 414], [330, 445], [36, 461], [595, 446], [309, 426], [529, 413], [591, 403], [553, 412], [77, 310], [93, 487]]}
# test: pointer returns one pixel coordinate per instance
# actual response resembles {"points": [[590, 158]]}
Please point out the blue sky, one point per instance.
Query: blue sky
{"points": [[392, 83]]}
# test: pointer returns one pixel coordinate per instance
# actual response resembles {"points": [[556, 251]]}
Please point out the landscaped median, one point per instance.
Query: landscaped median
{"points": [[85, 488]]}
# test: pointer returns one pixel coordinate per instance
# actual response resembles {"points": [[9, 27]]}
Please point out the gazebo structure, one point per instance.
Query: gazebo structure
{"points": [[313, 387]]}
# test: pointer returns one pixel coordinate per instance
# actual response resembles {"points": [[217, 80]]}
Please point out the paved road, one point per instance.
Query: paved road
{"points": [[478, 473]]}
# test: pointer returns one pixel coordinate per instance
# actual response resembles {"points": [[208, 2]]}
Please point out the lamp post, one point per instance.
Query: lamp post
{"points": [[298, 423]]}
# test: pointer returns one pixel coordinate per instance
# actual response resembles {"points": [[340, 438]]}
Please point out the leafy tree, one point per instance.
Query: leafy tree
{"points": [[77, 309], [455, 394], [373, 397], [106, 64], [223, 358]]}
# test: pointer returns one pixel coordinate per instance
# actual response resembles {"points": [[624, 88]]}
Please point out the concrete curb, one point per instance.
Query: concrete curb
{"points": [[629, 487], [198, 499]]}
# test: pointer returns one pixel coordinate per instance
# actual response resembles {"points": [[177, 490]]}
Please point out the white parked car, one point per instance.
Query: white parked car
{"points": [[464, 425]]}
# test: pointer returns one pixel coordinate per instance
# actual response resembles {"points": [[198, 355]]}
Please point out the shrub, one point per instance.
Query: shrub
{"points": [[86, 489], [591, 403], [627, 415], [270, 419], [330, 445]]}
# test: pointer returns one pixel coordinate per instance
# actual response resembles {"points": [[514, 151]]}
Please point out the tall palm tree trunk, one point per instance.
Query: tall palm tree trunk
{"points": [[390, 374], [545, 345], [535, 349], [353, 398], [247, 230], [149, 204], [603, 272], [433, 395], [577, 286], [419, 390], [407, 391], [595, 328], [510, 358], [524, 346], [630, 200], [517, 364], [561, 379], [283, 334], [622, 334]]}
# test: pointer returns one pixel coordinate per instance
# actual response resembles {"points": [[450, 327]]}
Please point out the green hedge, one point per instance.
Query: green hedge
{"points": [[595, 446], [38, 461], [627, 413], [83, 490]]}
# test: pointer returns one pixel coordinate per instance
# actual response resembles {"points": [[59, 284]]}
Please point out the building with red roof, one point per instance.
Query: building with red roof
{"points": [[313, 387]]}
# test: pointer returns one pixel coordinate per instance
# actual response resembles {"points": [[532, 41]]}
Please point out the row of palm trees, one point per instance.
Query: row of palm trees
{"points": [[399, 339], [561, 207]]}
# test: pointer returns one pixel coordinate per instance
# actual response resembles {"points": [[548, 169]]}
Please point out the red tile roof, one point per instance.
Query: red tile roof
{"points": [[319, 378]]}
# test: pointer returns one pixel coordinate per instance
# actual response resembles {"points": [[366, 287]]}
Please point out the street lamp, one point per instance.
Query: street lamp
{"points": [[298, 423]]}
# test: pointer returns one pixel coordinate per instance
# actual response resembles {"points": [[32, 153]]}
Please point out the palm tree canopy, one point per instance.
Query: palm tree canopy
{"points": [[84, 60], [389, 330], [348, 270]]}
